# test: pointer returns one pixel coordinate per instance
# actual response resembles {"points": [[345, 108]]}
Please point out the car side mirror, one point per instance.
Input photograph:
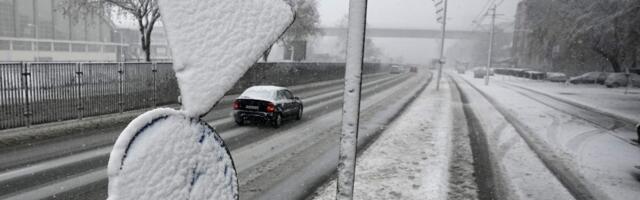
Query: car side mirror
{"points": [[296, 98]]}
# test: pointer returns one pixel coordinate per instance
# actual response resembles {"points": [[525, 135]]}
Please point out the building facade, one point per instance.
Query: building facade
{"points": [[37, 30], [132, 50]]}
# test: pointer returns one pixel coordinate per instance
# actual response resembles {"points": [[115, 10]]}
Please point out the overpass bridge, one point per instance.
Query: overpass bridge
{"points": [[408, 33]]}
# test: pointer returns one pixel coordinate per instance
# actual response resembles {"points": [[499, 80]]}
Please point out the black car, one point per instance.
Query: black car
{"points": [[266, 104]]}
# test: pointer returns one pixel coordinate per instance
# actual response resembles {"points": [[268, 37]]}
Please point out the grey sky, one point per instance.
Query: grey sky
{"points": [[414, 13], [418, 14]]}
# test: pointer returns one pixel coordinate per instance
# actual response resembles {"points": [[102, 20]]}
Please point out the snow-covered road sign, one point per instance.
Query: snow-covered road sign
{"points": [[164, 154], [169, 154]]}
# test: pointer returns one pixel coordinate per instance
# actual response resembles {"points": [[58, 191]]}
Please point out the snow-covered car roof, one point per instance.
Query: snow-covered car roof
{"points": [[261, 92], [266, 87]]}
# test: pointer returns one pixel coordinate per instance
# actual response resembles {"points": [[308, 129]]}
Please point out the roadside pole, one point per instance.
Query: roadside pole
{"points": [[490, 62], [627, 73], [351, 105], [443, 21]]}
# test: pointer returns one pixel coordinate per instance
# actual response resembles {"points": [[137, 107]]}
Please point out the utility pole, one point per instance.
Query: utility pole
{"points": [[443, 21], [490, 62], [351, 106]]}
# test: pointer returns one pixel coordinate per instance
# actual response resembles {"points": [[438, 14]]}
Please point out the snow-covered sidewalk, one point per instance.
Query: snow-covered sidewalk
{"points": [[589, 159], [608, 100], [410, 160]]}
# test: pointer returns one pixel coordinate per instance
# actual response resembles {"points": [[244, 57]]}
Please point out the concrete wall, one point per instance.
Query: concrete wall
{"points": [[288, 73]]}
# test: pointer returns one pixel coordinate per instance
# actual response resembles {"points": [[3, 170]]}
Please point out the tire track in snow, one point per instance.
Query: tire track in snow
{"points": [[570, 178], [483, 170]]}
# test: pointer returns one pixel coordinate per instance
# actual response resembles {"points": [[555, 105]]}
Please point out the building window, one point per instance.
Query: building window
{"points": [[61, 23], [78, 29], [44, 46], [93, 48], [6, 18], [161, 51], [60, 46], [109, 48], [105, 31], [78, 47], [25, 26], [21, 46], [44, 16], [5, 45], [93, 27]]}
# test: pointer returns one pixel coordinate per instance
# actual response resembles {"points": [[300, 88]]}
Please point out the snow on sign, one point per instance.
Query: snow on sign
{"points": [[171, 154], [163, 154], [215, 42]]}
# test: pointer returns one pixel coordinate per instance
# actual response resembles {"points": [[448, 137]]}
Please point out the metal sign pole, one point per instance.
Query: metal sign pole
{"points": [[351, 106], [627, 73], [444, 30]]}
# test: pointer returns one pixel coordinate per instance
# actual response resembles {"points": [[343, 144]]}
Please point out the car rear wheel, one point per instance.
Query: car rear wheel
{"points": [[239, 122], [277, 121], [299, 116]]}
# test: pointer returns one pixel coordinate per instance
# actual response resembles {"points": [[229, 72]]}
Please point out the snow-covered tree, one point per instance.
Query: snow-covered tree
{"points": [[577, 29], [304, 26]]}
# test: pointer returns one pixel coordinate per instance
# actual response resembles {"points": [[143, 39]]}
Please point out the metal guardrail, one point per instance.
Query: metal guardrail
{"points": [[42, 92]]}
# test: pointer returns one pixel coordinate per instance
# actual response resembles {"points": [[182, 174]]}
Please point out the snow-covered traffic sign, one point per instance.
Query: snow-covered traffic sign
{"points": [[164, 154], [171, 154]]}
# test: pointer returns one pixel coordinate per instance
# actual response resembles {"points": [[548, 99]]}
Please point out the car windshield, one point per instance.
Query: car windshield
{"points": [[258, 93], [320, 99]]}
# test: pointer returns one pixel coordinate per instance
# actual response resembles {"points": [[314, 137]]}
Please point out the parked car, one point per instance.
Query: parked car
{"points": [[535, 75], [479, 72], [557, 77], [620, 79], [266, 104], [589, 77]]}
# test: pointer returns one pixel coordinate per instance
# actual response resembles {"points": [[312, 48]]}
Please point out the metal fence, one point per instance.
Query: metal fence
{"points": [[34, 93]]}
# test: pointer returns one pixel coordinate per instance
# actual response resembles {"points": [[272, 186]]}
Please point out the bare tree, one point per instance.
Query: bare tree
{"points": [[145, 12], [304, 26]]}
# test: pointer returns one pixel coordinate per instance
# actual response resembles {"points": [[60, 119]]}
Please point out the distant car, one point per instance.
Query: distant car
{"points": [[479, 72], [395, 70], [620, 79], [557, 77], [266, 104], [589, 77], [413, 69]]}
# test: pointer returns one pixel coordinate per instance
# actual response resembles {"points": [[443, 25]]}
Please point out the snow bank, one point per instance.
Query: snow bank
{"points": [[163, 154], [215, 42]]}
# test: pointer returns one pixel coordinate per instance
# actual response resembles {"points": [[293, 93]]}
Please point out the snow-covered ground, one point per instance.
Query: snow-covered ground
{"points": [[411, 158], [590, 159], [610, 100]]}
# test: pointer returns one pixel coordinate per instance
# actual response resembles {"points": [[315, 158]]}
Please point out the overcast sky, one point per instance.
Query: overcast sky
{"points": [[415, 13]]}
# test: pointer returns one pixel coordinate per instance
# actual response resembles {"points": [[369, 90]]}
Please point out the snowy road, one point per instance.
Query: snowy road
{"points": [[542, 147], [267, 159]]}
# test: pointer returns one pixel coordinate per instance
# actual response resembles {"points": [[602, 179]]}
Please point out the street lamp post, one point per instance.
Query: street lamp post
{"points": [[490, 61], [443, 20]]}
